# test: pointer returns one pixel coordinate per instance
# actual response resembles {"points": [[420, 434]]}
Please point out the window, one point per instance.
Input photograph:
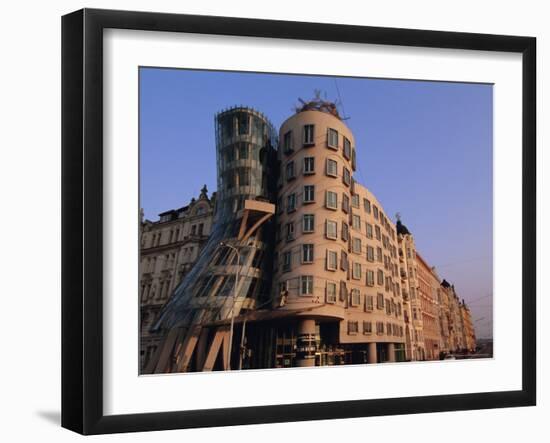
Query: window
{"points": [[379, 327], [346, 176], [355, 201], [287, 261], [379, 254], [332, 260], [356, 245], [369, 230], [347, 148], [290, 175], [366, 204], [356, 271], [345, 231], [307, 253], [331, 229], [331, 292], [331, 200], [287, 142], [332, 139], [356, 222], [291, 203], [306, 285], [309, 135], [369, 303], [375, 212], [367, 327], [244, 123], [355, 297], [388, 307], [243, 151], [309, 193], [370, 253], [289, 227], [345, 203], [308, 223], [332, 168], [353, 327], [344, 261], [380, 278], [379, 301], [309, 165], [370, 278]]}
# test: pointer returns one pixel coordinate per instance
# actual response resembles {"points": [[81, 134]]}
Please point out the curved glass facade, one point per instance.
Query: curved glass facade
{"points": [[246, 170]]}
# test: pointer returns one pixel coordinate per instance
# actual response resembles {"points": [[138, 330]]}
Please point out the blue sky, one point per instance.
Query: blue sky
{"points": [[423, 148]]}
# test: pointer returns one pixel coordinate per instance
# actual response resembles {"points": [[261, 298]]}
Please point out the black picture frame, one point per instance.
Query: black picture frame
{"points": [[82, 218]]}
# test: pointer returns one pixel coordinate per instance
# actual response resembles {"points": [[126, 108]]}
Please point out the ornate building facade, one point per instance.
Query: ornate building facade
{"points": [[303, 267], [168, 249]]}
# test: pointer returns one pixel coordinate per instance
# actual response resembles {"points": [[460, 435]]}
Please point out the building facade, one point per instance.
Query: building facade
{"points": [[168, 249], [302, 267]]}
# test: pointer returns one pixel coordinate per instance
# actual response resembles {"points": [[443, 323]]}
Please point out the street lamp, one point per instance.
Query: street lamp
{"points": [[228, 363]]}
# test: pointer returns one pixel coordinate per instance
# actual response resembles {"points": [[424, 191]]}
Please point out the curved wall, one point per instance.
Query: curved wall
{"points": [[245, 155], [348, 267]]}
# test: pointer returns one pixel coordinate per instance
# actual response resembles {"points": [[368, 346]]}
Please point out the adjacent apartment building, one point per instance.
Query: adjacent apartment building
{"points": [[302, 267]]}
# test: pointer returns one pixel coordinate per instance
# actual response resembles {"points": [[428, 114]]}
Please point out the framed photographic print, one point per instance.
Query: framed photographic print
{"points": [[269, 221]]}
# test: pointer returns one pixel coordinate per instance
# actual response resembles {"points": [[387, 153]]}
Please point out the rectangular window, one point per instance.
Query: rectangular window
{"points": [[380, 301], [332, 138], [356, 271], [355, 297], [331, 292], [356, 222], [308, 223], [287, 142], [243, 151], [345, 203], [370, 278], [307, 253], [355, 201], [309, 193], [366, 204], [287, 261], [306, 285], [375, 212], [309, 135], [346, 176], [380, 278], [290, 175], [344, 261], [289, 231], [309, 165], [331, 200], [369, 230], [244, 123], [331, 229], [369, 303], [370, 253], [356, 245], [347, 148], [379, 254], [353, 327], [367, 327], [379, 327], [291, 203], [332, 260], [332, 168], [345, 231]]}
